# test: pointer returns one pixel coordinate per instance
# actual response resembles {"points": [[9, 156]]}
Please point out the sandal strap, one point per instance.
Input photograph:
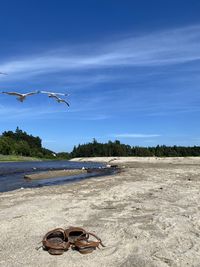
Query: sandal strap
{"points": [[89, 233], [82, 234], [74, 229], [80, 244]]}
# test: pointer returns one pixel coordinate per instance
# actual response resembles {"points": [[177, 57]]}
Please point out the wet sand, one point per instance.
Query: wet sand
{"points": [[147, 215]]}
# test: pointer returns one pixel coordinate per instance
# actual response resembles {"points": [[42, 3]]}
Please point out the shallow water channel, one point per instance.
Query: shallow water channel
{"points": [[12, 173]]}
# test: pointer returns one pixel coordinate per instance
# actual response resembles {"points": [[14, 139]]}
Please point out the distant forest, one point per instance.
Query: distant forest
{"points": [[23, 144], [20, 143], [96, 149]]}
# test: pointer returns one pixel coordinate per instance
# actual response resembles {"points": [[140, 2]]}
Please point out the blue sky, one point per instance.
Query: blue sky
{"points": [[131, 69]]}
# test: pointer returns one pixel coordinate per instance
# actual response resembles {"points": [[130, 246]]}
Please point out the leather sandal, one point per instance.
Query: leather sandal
{"points": [[85, 246], [75, 233], [56, 242]]}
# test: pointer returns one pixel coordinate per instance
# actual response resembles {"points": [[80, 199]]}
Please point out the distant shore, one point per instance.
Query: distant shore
{"points": [[146, 215], [10, 158]]}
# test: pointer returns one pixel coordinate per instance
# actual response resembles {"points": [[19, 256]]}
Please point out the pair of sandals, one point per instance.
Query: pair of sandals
{"points": [[57, 241]]}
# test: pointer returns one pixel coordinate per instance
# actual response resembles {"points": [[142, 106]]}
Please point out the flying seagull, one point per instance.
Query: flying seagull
{"points": [[21, 97], [59, 100]]}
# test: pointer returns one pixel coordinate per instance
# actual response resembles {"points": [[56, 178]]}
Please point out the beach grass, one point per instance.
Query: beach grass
{"points": [[17, 158]]}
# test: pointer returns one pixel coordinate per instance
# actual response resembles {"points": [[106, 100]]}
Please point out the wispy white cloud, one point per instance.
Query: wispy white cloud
{"points": [[8, 112], [96, 117], [160, 48], [131, 93], [134, 135]]}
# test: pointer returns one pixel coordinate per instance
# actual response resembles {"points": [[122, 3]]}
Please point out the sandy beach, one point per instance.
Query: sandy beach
{"points": [[147, 215]]}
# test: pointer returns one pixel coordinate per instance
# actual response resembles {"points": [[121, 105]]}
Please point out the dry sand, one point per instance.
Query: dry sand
{"points": [[147, 215]]}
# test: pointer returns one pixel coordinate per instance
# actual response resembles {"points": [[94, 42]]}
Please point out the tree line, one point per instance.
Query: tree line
{"points": [[21, 143], [96, 149]]}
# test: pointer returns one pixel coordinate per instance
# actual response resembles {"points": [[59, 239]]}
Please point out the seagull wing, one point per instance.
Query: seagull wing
{"points": [[32, 93], [12, 93], [53, 93], [66, 103], [45, 92], [61, 94]]}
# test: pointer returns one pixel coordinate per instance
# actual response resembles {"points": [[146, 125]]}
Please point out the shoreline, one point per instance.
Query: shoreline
{"points": [[108, 159], [147, 215]]}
